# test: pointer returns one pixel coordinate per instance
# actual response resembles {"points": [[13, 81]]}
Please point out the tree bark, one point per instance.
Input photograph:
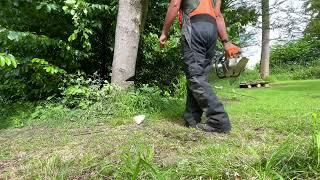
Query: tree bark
{"points": [[129, 27], [265, 49]]}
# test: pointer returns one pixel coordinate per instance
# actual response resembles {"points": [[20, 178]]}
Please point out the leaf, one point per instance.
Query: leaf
{"points": [[72, 12], [11, 57], [13, 36], [14, 63], [8, 61], [35, 60], [2, 61], [70, 2], [85, 11], [65, 8], [48, 69], [73, 36], [89, 31]]}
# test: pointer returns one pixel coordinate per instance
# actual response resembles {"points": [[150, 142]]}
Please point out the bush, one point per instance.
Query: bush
{"points": [[160, 67], [85, 103], [34, 79], [80, 92], [296, 60]]}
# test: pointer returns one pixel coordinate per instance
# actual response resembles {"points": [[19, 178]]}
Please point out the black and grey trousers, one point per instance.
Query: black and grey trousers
{"points": [[198, 51]]}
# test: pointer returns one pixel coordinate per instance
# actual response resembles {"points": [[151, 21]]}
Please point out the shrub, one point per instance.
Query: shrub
{"points": [[30, 79], [296, 60], [160, 67], [81, 92]]}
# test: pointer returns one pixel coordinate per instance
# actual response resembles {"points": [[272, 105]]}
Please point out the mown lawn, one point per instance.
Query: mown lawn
{"points": [[271, 139]]}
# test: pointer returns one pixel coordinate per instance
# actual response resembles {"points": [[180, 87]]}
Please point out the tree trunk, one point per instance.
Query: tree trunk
{"points": [[129, 26], [265, 50]]}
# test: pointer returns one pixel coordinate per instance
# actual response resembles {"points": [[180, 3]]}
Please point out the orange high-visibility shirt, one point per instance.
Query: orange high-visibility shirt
{"points": [[205, 7]]}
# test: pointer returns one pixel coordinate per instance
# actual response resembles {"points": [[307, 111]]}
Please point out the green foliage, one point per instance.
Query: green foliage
{"points": [[316, 139], [139, 164], [160, 67], [302, 52], [78, 35], [42, 64], [79, 92], [14, 114], [313, 28], [7, 60], [69, 35], [244, 14], [296, 60], [289, 161], [35, 79], [180, 88], [83, 16]]}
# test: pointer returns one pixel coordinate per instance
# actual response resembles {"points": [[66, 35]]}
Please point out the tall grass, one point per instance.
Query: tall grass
{"points": [[291, 160], [316, 139], [138, 163]]}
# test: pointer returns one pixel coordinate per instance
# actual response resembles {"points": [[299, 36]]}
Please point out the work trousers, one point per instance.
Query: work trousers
{"points": [[198, 52]]}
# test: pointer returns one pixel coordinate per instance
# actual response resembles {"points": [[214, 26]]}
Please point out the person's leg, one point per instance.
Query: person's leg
{"points": [[193, 111], [197, 63], [208, 101], [217, 116]]}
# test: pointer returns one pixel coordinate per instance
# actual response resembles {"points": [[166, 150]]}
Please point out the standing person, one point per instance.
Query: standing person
{"points": [[202, 23]]}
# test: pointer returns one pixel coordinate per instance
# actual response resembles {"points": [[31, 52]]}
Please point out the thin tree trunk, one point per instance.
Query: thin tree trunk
{"points": [[129, 26], [265, 50]]}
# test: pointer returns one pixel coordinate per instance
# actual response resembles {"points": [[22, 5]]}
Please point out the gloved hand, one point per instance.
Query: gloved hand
{"points": [[231, 50]]}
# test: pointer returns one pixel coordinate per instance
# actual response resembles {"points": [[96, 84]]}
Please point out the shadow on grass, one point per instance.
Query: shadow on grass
{"points": [[172, 111]]}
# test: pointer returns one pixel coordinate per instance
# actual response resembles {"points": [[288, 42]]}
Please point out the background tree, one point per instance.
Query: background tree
{"points": [[299, 58], [265, 48], [129, 26], [313, 8]]}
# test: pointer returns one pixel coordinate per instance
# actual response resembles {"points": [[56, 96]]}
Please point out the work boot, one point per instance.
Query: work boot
{"points": [[190, 121], [191, 124], [208, 128]]}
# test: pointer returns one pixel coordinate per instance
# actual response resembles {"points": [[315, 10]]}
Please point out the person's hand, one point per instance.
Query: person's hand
{"points": [[231, 50], [163, 39]]}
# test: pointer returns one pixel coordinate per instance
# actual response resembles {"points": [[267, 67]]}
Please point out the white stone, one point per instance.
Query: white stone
{"points": [[139, 119]]}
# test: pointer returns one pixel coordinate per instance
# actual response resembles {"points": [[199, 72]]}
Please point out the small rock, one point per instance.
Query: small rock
{"points": [[237, 176], [139, 119]]}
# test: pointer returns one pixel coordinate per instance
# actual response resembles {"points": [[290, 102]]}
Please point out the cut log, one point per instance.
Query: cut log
{"points": [[251, 84]]}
